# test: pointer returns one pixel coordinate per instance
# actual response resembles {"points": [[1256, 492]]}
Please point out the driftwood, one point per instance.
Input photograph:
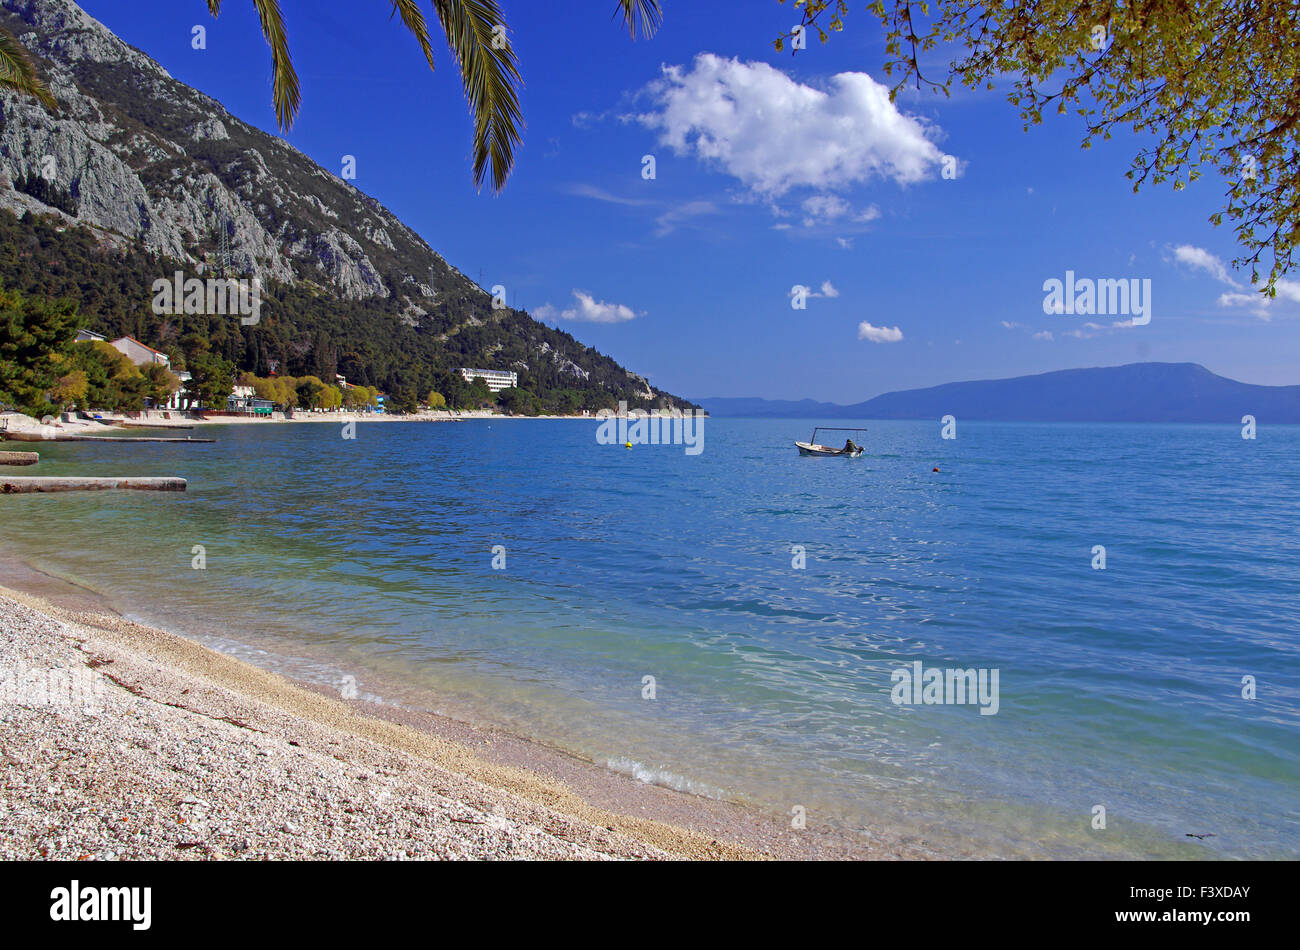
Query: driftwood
{"points": [[22, 486]]}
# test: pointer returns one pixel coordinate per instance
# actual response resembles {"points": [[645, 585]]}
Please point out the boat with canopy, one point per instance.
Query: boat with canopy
{"points": [[812, 447]]}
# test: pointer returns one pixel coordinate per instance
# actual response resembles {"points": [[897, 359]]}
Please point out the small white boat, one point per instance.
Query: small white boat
{"points": [[812, 447]]}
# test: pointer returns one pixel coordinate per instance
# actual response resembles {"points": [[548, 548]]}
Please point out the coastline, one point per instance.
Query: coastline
{"points": [[185, 752], [19, 428]]}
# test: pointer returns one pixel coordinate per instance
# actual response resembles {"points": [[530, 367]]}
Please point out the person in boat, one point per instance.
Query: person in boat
{"points": [[850, 447]]}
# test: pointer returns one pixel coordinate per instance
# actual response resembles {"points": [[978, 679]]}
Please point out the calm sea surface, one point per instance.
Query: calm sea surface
{"points": [[1123, 687]]}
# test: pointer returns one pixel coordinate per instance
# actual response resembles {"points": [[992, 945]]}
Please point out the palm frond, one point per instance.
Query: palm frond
{"points": [[414, 21], [644, 13], [285, 91], [18, 72], [490, 75]]}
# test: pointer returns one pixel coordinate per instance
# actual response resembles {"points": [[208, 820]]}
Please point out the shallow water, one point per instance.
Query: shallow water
{"points": [[1122, 687]]}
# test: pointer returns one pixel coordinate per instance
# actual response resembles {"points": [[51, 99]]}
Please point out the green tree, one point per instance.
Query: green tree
{"points": [[1215, 81], [402, 400], [113, 382], [518, 402], [435, 400], [331, 397], [34, 335], [479, 392], [309, 390], [160, 383], [212, 379], [488, 68]]}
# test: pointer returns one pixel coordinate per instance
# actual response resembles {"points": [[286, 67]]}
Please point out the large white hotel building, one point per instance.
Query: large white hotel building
{"points": [[496, 379]]}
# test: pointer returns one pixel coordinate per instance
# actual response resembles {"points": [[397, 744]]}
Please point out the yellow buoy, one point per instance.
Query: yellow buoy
{"points": [[627, 445]]}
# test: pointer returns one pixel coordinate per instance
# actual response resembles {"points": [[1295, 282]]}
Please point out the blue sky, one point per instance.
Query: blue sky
{"points": [[770, 173]]}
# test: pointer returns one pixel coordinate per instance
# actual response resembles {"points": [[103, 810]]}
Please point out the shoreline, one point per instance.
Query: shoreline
{"points": [[16, 427], [169, 692]]}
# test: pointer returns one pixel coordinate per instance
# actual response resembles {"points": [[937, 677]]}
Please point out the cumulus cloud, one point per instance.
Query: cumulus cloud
{"points": [[1045, 335], [773, 134], [879, 334], [588, 310]]}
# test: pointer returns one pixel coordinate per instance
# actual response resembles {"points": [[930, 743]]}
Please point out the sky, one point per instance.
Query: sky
{"points": [[924, 230]]}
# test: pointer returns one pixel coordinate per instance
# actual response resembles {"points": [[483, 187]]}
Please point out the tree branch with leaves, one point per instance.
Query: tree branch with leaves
{"points": [[1216, 82]]}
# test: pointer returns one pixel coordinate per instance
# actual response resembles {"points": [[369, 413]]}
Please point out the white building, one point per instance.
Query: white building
{"points": [[496, 379], [138, 353]]}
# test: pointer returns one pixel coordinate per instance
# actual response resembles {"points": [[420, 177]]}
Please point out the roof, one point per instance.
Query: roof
{"points": [[132, 339]]}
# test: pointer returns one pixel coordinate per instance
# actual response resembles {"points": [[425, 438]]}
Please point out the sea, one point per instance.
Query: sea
{"points": [[785, 632]]}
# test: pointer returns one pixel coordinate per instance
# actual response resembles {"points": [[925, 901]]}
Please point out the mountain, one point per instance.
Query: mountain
{"points": [[1137, 392], [136, 163]]}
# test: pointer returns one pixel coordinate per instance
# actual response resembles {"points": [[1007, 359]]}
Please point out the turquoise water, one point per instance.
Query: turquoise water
{"points": [[1120, 687]]}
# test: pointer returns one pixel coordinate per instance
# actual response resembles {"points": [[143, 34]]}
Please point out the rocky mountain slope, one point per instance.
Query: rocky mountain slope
{"points": [[148, 162]]}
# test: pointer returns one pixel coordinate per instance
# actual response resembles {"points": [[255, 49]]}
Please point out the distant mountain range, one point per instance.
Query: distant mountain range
{"points": [[1137, 392]]}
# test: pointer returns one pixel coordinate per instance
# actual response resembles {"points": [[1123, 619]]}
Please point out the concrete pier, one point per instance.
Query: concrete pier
{"points": [[23, 486]]}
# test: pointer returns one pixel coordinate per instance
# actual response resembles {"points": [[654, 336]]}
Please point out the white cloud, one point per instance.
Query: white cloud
{"points": [[1198, 258], [1044, 335], [824, 209], [600, 194], [774, 134], [588, 310], [1260, 305], [827, 291], [1287, 290], [667, 222], [879, 334], [846, 243], [1241, 295]]}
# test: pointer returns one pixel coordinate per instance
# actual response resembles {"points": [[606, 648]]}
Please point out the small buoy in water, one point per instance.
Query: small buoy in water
{"points": [[934, 469], [627, 445]]}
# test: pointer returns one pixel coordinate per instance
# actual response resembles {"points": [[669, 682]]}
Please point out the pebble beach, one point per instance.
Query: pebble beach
{"points": [[124, 742]]}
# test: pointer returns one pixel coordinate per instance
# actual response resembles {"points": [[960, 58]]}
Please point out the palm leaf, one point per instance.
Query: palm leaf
{"points": [[17, 72], [644, 13], [285, 91], [490, 77], [414, 21]]}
